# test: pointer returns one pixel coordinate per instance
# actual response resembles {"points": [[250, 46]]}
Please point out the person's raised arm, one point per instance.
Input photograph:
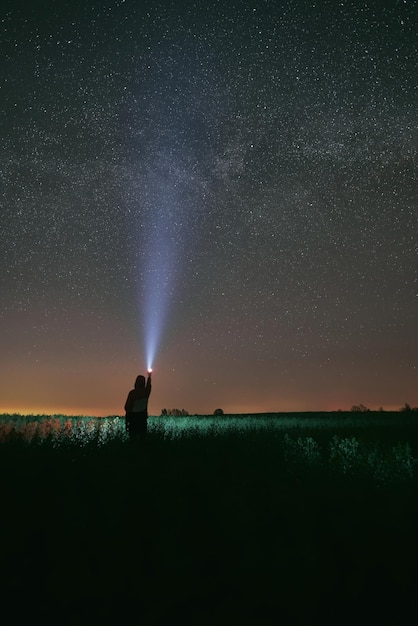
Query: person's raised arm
{"points": [[148, 385]]}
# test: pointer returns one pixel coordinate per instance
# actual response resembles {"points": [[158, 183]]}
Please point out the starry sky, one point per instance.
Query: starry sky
{"points": [[238, 178]]}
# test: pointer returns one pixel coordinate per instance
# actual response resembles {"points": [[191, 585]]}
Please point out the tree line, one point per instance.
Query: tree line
{"points": [[183, 412], [406, 408]]}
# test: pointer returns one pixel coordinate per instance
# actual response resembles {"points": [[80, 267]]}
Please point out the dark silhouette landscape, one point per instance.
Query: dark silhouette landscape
{"points": [[309, 520]]}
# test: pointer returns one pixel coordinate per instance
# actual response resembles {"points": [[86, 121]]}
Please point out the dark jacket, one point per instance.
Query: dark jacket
{"points": [[137, 400]]}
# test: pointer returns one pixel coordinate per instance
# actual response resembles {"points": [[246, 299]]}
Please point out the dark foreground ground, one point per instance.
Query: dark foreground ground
{"points": [[217, 530]]}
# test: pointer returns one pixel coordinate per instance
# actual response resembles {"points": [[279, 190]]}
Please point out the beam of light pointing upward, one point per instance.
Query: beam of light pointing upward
{"points": [[158, 292], [171, 186], [160, 262]]}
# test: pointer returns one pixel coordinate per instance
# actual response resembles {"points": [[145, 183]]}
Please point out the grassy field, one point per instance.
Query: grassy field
{"points": [[267, 519]]}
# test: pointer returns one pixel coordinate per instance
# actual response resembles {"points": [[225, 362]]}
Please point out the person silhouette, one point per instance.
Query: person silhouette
{"points": [[136, 408]]}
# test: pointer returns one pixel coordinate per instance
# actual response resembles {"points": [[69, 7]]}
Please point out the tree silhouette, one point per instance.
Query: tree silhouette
{"points": [[359, 408], [406, 408]]}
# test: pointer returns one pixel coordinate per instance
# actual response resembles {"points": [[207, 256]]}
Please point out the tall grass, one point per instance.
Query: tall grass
{"points": [[384, 448], [249, 520]]}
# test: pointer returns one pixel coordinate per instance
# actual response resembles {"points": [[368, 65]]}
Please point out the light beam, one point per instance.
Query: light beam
{"points": [[161, 260]]}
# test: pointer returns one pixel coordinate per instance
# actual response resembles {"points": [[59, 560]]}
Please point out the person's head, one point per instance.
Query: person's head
{"points": [[140, 382]]}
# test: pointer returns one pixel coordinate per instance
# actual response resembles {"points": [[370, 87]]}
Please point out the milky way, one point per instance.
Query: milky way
{"points": [[263, 154]]}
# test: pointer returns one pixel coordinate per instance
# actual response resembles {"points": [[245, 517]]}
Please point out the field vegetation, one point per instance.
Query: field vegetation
{"points": [[256, 519]]}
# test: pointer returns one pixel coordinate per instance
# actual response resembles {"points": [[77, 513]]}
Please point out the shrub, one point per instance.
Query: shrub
{"points": [[359, 408]]}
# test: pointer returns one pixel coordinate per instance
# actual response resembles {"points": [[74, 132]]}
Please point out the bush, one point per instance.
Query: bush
{"points": [[174, 413], [359, 408]]}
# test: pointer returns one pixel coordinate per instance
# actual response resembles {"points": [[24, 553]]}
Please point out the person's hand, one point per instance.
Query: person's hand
{"points": [[149, 372]]}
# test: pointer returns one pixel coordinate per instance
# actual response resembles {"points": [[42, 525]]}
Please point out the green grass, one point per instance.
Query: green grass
{"points": [[305, 519]]}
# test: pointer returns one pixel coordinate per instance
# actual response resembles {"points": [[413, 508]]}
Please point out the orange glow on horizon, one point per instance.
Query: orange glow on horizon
{"points": [[239, 409], [66, 411]]}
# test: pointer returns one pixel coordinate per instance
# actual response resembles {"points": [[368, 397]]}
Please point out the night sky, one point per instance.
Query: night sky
{"points": [[236, 179]]}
